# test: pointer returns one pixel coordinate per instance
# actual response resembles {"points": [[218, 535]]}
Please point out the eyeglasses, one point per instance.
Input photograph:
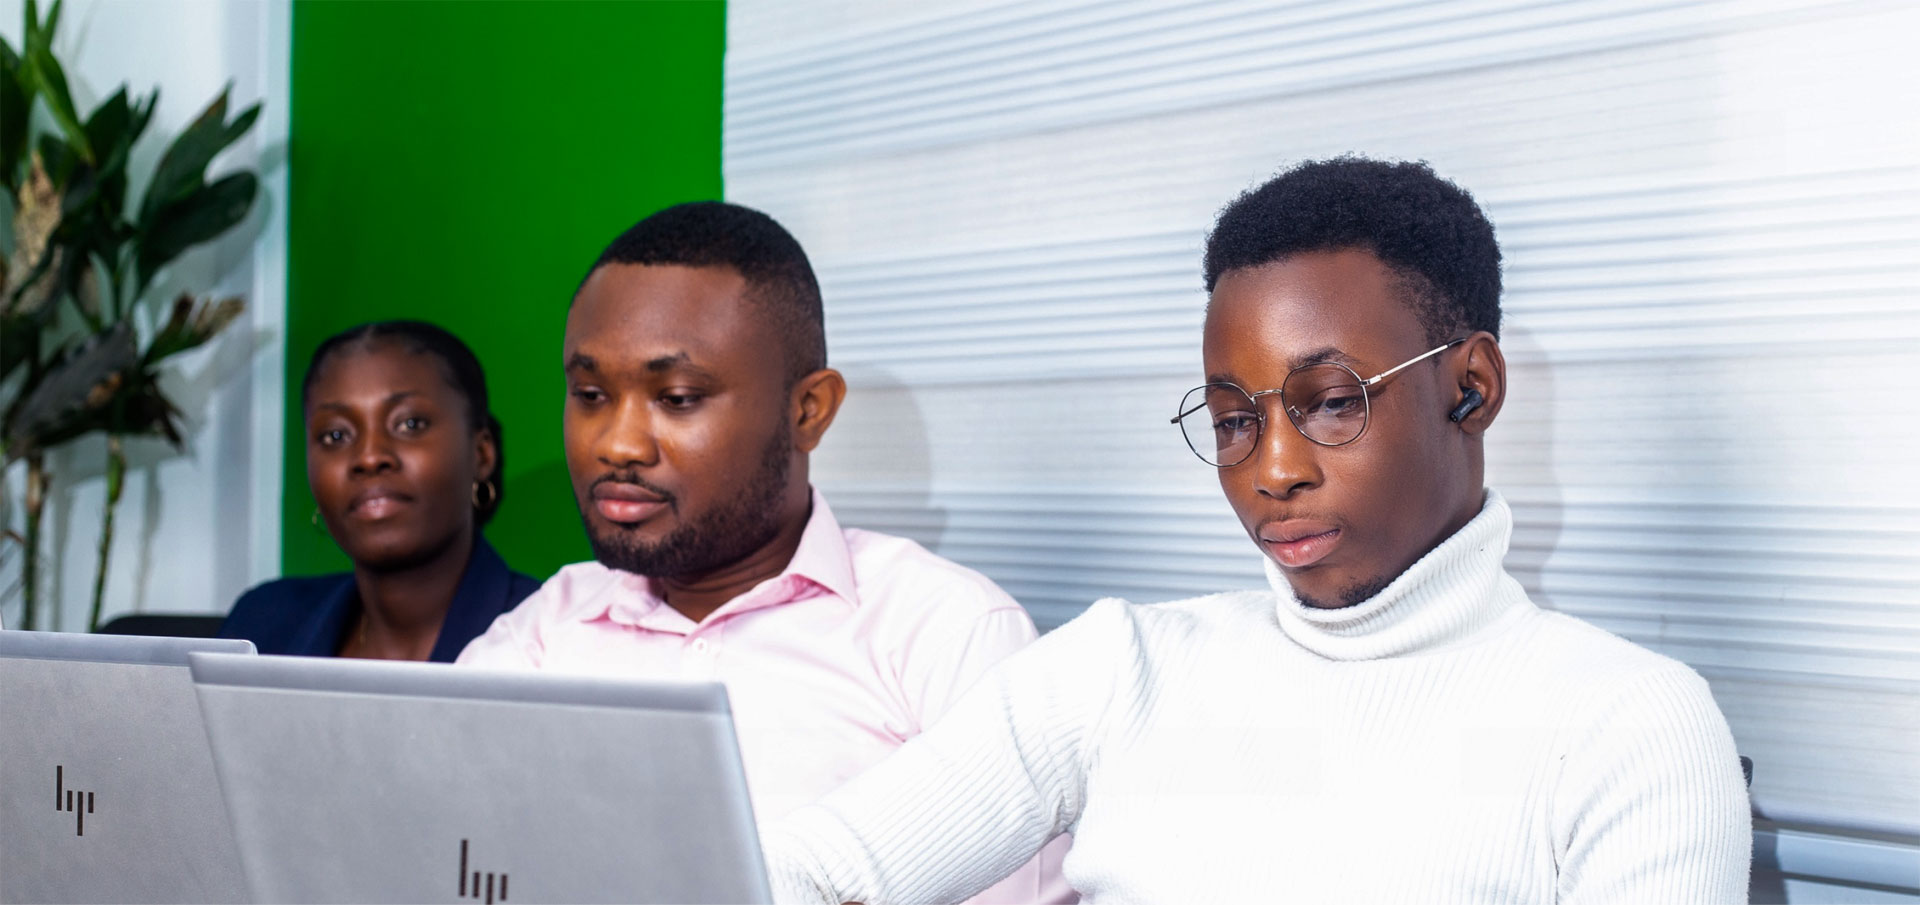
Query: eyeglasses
{"points": [[1326, 401]]}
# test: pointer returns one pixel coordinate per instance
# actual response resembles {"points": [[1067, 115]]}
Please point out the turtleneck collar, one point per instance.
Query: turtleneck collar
{"points": [[1459, 589]]}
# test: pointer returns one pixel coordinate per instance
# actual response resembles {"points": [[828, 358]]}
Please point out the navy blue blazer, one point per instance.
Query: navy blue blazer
{"points": [[312, 616]]}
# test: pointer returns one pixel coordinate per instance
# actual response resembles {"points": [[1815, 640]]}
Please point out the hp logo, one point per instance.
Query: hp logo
{"points": [[471, 886], [79, 803]]}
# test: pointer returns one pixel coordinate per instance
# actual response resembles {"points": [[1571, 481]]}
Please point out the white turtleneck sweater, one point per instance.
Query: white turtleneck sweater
{"points": [[1444, 741]]}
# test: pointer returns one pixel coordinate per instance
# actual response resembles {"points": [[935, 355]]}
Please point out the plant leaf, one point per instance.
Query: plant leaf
{"points": [[31, 35], [72, 391], [191, 325], [51, 81], [94, 286], [183, 167], [44, 31], [197, 218], [14, 103], [97, 195], [19, 335], [57, 159], [113, 127], [107, 124], [144, 409], [8, 207], [142, 115]]}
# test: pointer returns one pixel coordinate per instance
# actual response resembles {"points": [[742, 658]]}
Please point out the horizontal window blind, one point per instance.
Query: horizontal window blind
{"points": [[1711, 217]]}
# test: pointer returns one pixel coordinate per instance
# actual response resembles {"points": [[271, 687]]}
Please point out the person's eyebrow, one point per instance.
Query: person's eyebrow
{"points": [[1323, 355], [669, 362], [659, 364], [679, 362], [343, 407]]}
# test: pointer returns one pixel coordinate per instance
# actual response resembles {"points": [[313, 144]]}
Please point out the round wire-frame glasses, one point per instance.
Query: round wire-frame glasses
{"points": [[1326, 401]]}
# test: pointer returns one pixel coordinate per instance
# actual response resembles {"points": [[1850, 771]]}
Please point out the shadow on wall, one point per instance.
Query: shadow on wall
{"points": [[1520, 460], [880, 484], [195, 383]]}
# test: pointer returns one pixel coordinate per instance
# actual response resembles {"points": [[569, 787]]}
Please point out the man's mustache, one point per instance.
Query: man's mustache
{"points": [[634, 478]]}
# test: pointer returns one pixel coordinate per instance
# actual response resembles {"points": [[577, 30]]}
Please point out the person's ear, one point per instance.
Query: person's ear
{"points": [[816, 399], [1479, 370], [486, 453]]}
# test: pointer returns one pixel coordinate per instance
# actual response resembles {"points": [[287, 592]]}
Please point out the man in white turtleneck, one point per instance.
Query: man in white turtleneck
{"points": [[1393, 721]]}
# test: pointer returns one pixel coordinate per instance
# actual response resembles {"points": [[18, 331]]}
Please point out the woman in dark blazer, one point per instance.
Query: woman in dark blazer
{"points": [[404, 460]]}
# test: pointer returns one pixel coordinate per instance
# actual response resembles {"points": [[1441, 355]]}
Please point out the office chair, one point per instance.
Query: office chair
{"points": [[171, 625]]}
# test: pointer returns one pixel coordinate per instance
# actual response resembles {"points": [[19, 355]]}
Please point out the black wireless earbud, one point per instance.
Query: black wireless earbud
{"points": [[1468, 403]]}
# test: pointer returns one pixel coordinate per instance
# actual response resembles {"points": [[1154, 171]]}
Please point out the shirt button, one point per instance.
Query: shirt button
{"points": [[700, 646]]}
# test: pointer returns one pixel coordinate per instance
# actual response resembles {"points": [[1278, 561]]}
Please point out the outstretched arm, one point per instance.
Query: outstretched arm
{"points": [[974, 797]]}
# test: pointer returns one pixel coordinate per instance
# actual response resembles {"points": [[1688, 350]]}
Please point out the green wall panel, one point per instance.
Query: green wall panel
{"points": [[463, 163]]}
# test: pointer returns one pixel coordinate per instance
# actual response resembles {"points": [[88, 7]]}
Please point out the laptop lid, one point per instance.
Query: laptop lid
{"points": [[107, 789], [360, 781]]}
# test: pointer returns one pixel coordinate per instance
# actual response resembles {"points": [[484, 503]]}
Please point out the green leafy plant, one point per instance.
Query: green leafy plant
{"points": [[79, 269]]}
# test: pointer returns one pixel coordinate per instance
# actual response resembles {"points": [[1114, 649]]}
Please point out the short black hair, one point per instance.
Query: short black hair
{"points": [[1428, 230], [457, 363], [719, 234]]}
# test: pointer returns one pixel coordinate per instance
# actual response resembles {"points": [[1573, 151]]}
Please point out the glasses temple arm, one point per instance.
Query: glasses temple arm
{"points": [[1410, 362]]}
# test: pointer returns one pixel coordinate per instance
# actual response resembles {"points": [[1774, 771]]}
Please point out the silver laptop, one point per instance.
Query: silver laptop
{"points": [[107, 790], [359, 781]]}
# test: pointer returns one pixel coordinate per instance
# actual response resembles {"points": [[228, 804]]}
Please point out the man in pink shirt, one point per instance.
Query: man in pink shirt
{"points": [[697, 386]]}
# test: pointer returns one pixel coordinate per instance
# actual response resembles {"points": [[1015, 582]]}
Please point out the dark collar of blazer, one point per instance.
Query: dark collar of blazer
{"points": [[312, 616]]}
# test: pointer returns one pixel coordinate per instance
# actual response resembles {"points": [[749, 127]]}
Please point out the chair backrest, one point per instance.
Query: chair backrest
{"points": [[170, 625]]}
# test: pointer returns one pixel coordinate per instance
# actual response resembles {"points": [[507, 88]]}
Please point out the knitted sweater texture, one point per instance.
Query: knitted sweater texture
{"points": [[1445, 741]]}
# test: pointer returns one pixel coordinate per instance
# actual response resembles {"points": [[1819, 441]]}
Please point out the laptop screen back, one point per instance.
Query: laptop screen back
{"points": [[107, 789], [354, 781]]}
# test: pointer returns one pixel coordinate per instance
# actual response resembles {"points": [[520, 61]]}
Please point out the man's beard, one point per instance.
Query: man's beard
{"points": [[732, 531], [1358, 592]]}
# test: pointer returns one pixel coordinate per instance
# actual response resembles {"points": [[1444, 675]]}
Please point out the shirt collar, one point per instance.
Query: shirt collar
{"points": [[820, 564]]}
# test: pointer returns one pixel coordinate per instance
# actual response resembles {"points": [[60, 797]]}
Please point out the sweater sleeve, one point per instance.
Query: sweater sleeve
{"points": [[1651, 805], [976, 795]]}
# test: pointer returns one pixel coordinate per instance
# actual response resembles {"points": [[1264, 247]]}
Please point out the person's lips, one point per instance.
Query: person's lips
{"points": [[1299, 543], [626, 504], [375, 503]]}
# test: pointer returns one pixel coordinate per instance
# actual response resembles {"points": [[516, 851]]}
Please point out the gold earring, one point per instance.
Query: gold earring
{"points": [[492, 494], [314, 520]]}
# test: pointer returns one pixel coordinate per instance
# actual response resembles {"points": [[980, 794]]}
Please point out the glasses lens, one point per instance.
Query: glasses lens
{"points": [[1220, 422], [1327, 403]]}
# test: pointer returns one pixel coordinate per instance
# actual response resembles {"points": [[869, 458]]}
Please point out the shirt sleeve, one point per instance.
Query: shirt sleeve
{"points": [[936, 677], [514, 640], [976, 795], [1651, 804]]}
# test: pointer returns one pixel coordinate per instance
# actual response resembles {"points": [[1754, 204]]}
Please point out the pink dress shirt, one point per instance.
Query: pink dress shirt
{"points": [[860, 644]]}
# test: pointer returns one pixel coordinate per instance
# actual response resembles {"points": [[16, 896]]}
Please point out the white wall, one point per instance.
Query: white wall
{"points": [[1711, 217], [193, 529]]}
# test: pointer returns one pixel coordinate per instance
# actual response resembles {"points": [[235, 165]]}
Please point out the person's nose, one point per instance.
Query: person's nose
{"points": [[373, 454], [1284, 461], [628, 439]]}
